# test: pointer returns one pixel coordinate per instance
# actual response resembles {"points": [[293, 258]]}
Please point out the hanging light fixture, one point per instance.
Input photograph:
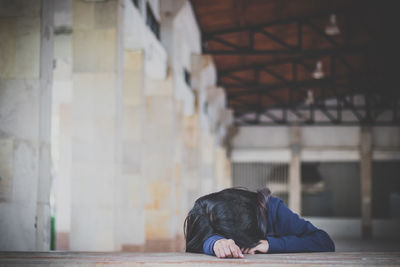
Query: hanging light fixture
{"points": [[332, 28], [309, 98], [318, 72]]}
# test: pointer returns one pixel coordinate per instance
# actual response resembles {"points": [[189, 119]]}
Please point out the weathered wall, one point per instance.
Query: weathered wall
{"points": [[158, 161], [61, 121], [198, 160], [133, 143], [130, 190], [94, 169], [26, 55], [327, 143], [138, 36]]}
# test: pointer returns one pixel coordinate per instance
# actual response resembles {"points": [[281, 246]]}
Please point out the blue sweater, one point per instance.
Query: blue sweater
{"points": [[287, 232]]}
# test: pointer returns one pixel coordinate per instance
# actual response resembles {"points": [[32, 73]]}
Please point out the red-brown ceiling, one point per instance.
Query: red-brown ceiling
{"points": [[257, 44]]}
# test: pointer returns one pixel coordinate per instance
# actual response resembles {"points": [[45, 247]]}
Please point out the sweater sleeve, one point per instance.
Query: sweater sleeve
{"points": [[294, 234], [208, 245]]}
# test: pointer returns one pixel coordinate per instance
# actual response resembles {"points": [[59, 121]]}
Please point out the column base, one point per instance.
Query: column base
{"points": [[366, 232]]}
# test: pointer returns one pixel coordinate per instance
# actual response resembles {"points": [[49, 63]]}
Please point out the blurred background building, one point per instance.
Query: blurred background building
{"points": [[115, 115]]}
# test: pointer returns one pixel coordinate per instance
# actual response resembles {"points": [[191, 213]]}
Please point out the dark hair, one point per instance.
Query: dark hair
{"points": [[234, 213]]}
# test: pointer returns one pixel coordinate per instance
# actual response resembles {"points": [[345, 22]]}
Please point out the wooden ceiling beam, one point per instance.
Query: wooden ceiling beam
{"points": [[358, 50], [276, 39], [351, 78], [305, 52], [255, 27]]}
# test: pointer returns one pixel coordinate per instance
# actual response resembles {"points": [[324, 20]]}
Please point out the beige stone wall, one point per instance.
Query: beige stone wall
{"points": [[180, 181], [164, 160], [131, 183], [93, 169], [132, 146], [25, 98], [158, 161], [222, 169], [61, 132], [207, 163], [191, 158]]}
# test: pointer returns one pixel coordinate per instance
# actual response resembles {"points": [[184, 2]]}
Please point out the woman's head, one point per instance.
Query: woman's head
{"points": [[233, 213]]}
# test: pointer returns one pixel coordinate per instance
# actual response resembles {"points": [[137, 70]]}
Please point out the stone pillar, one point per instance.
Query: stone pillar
{"points": [[295, 170], [96, 96], [228, 172], [222, 169], [180, 181], [26, 60], [207, 164], [202, 142], [61, 121], [46, 79], [158, 164], [191, 158], [131, 185], [366, 180]]}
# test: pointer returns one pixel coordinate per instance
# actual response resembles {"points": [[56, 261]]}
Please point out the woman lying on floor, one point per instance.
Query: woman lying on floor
{"points": [[236, 221]]}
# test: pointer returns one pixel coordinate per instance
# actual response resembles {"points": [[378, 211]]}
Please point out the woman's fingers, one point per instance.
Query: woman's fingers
{"points": [[235, 250], [219, 248], [217, 253], [227, 251], [226, 248], [220, 253], [262, 247], [236, 253], [253, 250]]}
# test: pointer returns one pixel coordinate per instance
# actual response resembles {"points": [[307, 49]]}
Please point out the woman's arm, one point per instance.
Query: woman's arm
{"points": [[208, 245], [221, 247], [296, 234]]}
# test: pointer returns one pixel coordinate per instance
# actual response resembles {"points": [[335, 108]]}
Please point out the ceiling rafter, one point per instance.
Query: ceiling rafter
{"points": [[283, 21], [268, 87], [278, 40], [269, 65], [261, 29], [316, 52], [292, 59]]}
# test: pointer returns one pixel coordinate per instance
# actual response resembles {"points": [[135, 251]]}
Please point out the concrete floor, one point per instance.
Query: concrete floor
{"points": [[186, 259], [351, 252]]}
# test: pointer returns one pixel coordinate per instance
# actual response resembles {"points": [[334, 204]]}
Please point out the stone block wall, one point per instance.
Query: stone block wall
{"points": [[26, 53], [132, 145]]}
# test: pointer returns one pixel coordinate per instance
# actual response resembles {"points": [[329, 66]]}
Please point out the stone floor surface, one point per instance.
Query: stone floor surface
{"points": [[97, 259]]}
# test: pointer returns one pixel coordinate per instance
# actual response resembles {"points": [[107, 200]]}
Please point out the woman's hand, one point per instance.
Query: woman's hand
{"points": [[226, 248], [262, 247]]}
